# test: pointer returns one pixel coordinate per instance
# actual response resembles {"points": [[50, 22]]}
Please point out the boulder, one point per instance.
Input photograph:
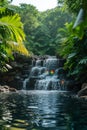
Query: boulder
{"points": [[61, 73], [6, 88], [83, 92], [12, 90], [84, 85]]}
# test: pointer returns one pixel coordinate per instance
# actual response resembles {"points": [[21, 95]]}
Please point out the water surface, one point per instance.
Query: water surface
{"points": [[42, 110]]}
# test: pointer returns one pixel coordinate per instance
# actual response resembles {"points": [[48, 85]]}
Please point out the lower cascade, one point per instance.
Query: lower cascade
{"points": [[46, 74], [47, 84]]}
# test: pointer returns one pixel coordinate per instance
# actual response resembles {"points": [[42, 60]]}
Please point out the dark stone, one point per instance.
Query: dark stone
{"points": [[82, 92], [6, 89], [61, 73], [72, 85], [31, 83], [61, 62], [21, 67], [33, 62], [84, 85]]}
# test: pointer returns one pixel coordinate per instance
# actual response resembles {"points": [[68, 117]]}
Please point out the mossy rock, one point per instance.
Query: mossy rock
{"points": [[13, 128], [20, 121], [20, 125]]}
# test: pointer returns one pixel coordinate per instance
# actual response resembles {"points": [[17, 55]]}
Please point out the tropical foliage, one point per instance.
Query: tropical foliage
{"points": [[74, 41], [41, 28], [11, 34]]}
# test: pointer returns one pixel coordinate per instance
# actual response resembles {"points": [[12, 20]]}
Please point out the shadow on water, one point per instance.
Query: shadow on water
{"points": [[42, 110]]}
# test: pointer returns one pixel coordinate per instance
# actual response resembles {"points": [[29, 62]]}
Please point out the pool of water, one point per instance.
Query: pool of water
{"points": [[42, 110]]}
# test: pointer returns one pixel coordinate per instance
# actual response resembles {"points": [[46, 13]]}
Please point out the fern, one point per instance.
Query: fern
{"points": [[83, 61]]}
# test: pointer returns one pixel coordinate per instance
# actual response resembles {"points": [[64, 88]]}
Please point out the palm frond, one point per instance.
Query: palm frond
{"points": [[11, 26]]}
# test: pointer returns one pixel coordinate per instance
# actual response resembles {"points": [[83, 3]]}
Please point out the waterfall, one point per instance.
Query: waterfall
{"points": [[47, 84], [25, 82], [44, 75]]}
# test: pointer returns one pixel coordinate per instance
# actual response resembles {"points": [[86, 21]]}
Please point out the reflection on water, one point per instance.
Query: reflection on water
{"points": [[42, 110]]}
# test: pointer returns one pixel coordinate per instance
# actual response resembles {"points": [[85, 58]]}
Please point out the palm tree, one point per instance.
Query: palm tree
{"points": [[11, 34]]}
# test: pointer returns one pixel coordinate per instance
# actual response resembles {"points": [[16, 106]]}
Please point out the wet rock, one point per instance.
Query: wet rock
{"points": [[83, 97], [83, 92], [84, 85], [61, 73], [6, 89], [61, 62], [12, 90], [21, 67], [35, 71], [31, 83]]}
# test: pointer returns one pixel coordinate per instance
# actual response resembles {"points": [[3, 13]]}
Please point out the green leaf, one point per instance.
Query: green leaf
{"points": [[72, 55], [79, 19], [83, 61]]}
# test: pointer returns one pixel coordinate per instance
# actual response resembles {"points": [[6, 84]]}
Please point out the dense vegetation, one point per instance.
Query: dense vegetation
{"points": [[53, 32], [41, 28], [11, 34], [74, 42]]}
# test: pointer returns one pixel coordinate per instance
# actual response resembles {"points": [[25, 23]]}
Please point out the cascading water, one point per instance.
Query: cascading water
{"points": [[49, 83], [45, 75]]}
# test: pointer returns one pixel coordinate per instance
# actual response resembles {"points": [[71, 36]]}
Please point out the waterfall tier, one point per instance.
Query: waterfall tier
{"points": [[44, 75]]}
